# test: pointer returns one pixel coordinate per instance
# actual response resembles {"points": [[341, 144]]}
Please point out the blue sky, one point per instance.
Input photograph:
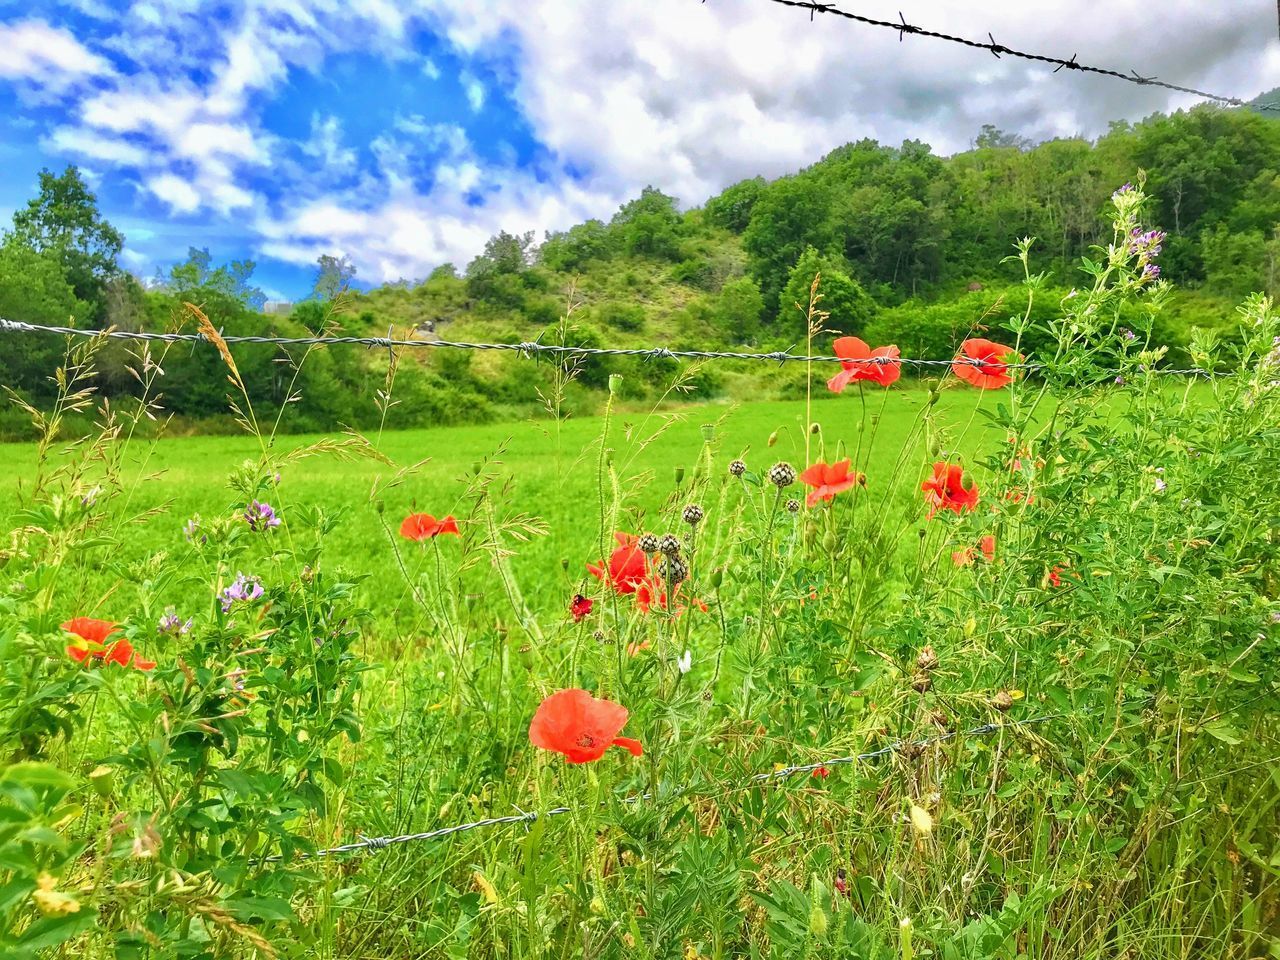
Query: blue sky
{"points": [[403, 133]]}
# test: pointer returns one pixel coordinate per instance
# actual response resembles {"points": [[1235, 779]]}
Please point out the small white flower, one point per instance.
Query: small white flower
{"points": [[685, 663]]}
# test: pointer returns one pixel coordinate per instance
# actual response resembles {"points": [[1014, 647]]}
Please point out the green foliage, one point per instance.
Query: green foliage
{"points": [[195, 278], [650, 225], [846, 304], [63, 221], [731, 209], [737, 311]]}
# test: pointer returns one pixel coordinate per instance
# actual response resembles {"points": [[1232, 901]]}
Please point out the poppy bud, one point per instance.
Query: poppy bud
{"points": [[829, 542], [102, 778], [564, 563], [679, 475], [615, 383], [773, 438], [708, 432], [933, 398], [717, 577], [477, 467], [379, 506]]}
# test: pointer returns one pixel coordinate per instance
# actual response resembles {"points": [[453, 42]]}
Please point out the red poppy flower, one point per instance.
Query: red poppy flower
{"points": [[1055, 577], [984, 364], [828, 480], [820, 772], [575, 723], [650, 593], [945, 490], [93, 645], [422, 526], [580, 607], [627, 567], [857, 363], [962, 558]]}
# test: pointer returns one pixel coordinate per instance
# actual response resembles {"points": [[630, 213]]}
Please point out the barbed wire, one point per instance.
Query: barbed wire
{"points": [[997, 49], [374, 844], [534, 348]]}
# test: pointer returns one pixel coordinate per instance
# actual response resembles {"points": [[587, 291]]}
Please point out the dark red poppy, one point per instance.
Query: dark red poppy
{"points": [[580, 607], [627, 567], [829, 479], [858, 362], [945, 490], [575, 723], [984, 364], [842, 882], [423, 526], [962, 558], [93, 646]]}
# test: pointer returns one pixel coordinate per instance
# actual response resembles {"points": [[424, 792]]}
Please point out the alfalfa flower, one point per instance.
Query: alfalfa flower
{"points": [[261, 516], [242, 590], [172, 624], [576, 724]]}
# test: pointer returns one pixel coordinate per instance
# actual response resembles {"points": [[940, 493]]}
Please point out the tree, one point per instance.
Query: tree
{"points": [[992, 136], [33, 289], [494, 275], [64, 221], [848, 306], [650, 225], [738, 309], [792, 215], [731, 210], [333, 277], [196, 276]]}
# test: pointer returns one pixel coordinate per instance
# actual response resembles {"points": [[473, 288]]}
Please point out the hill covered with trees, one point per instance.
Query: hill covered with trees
{"points": [[909, 246]]}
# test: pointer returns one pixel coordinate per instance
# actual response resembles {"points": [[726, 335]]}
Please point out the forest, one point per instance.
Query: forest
{"points": [[910, 247]]}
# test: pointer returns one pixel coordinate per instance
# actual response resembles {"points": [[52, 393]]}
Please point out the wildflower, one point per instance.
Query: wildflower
{"points": [[651, 593], [93, 646], [1125, 188], [793, 505], [1002, 701], [828, 480], [1150, 272], [782, 475], [50, 901], [1120, 381], [984, 364], [1129, 335], [737, 468], [921, 821], [580, 607], [581, 727], [842, 882], [921, 683], [191, 530], [692, 515], [1161, 486], [260, 516], [648, 543], [821, 773], [242, 590], [669, 544], [927, 658], [945, 490], [172, 624], [1055, 577], [422, 526], [627, 566], [685, 662], [987, 545], [859, 362], [91, 496], [635, 647]]}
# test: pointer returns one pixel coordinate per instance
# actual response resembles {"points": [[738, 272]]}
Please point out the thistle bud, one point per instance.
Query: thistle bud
{"points": [[927, 659], [692, 514], [782, 474], [648, 543], [669, 544], [1002, 701], [737, 468], [793, 505]]}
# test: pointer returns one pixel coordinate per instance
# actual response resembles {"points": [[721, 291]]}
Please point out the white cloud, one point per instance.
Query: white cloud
{"points": [[46, 55], [688, 97]]}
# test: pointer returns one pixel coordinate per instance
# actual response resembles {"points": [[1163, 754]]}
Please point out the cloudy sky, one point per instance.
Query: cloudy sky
{"points": [[405, 132]]}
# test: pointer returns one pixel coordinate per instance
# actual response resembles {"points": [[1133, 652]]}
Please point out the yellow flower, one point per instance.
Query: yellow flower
{"points": [[921, 821], [49, 901], [485, 887]]}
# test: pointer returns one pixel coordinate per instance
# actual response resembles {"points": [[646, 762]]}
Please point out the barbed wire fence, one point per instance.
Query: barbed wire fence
{"points": [[1001, 50], [374, 844], [533, 349]]}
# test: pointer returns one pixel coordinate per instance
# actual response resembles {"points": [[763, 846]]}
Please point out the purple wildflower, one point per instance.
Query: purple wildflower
{"points": [[191, 531], [243, 589], [90, 497], [1150, 272], [1126, 188], [1161, 486], [261, 516], [1119, 381], [1129, 335], [1147, 244], [1275, 616], [173, 624]]}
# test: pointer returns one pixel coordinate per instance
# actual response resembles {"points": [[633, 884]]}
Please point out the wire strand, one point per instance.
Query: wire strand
{"points": [[998, 49], [534, 349]]}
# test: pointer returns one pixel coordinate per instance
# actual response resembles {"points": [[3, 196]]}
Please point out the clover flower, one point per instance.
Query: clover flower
{"points": [[261, 516], [242, 590]]}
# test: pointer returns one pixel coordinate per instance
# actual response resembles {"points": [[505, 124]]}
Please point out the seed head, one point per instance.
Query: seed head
{"points": [[927, 659], [737, 468], [1002, 701], [793, 505], [782, 475], [669, 544], [692, 515], [673, 569], [921, 683], [648, 544]]}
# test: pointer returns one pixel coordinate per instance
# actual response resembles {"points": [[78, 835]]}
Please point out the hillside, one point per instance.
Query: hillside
{"points": [[909, 246]]}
